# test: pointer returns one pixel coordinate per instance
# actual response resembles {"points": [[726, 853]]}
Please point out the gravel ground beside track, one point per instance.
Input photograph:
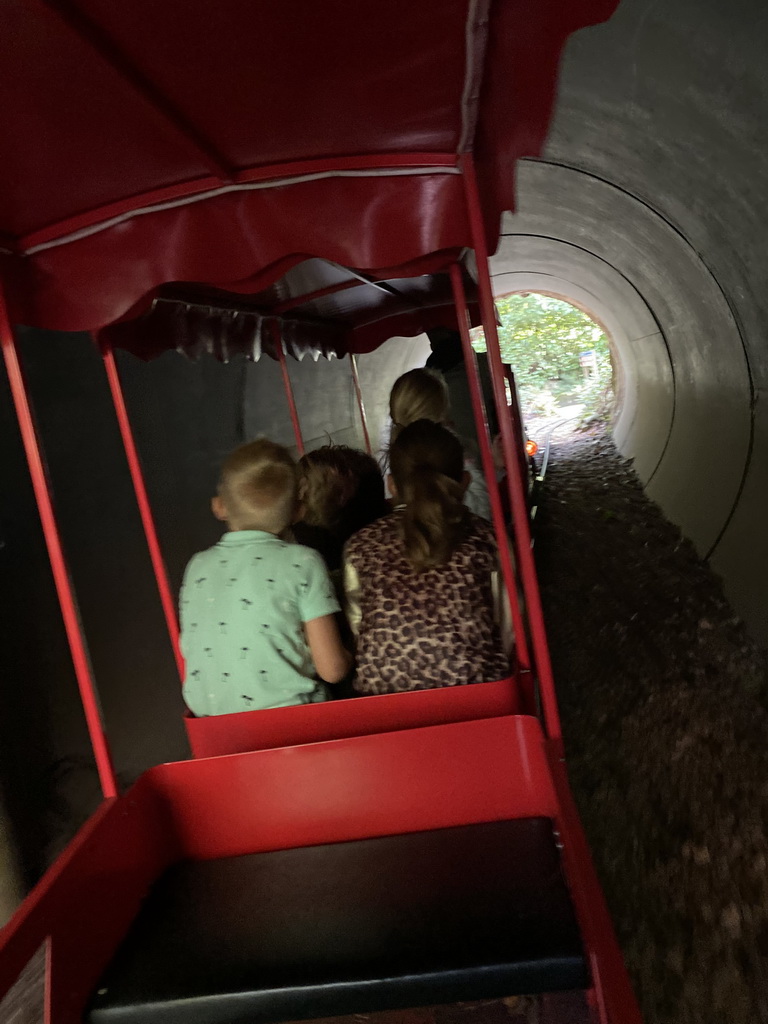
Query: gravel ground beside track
{"points": [[663, 698]]}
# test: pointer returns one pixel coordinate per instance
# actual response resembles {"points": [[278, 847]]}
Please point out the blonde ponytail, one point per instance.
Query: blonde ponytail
{"points": [[419, 394], [427, 464]]}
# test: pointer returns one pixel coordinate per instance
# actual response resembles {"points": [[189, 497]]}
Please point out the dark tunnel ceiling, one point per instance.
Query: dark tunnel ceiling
{"points": [[648, 210]]}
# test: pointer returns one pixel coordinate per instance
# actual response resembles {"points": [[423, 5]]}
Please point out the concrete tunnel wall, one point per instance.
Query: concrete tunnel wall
{"points": [[648, 209]]}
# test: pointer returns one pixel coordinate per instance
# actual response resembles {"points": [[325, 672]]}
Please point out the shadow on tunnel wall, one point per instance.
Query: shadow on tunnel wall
{"points": [[647, 209]]}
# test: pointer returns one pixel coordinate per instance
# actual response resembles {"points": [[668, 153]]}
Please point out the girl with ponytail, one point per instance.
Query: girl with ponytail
{"points": [[422, 585]]}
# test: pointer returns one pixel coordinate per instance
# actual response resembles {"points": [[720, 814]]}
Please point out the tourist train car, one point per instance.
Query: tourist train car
{"points": [[280, 178]]}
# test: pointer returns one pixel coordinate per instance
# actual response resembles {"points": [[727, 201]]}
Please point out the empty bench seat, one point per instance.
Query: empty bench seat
{"points": [[478, 911]]}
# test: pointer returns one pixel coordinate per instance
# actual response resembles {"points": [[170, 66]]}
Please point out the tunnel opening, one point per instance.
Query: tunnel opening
{"points": [[564, 360]]}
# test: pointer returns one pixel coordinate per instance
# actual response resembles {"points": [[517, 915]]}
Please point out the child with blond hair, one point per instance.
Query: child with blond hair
{"points": [[258, 621]]}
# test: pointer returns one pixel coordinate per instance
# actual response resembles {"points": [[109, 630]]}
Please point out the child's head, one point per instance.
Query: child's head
{"points": [[258, 488], [369, 502], [342, 489], [428, 478], [418, 395]]}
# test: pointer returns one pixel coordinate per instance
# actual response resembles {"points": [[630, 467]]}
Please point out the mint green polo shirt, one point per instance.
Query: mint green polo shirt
{"points": [[242, 607]]}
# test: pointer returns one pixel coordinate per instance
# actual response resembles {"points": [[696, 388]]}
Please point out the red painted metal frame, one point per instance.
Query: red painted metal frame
{"points": [[484, 440], [360, 404], [313, 723], [88, 899], [142, 500], [614, 1001], [280, 348], [516, 485], [67, 601], [412, 780], [336, 791], [296, 169], [356, 788]]}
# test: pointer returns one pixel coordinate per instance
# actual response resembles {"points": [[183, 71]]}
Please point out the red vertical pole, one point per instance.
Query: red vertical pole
{"points": [[360, 405], [69, 610], [484, 440], [142, 500], [515, 482], [278, 338]]}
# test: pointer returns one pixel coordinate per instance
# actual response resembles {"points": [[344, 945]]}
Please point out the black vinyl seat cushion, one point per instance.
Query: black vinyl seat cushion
{"points": [[478, 911]]}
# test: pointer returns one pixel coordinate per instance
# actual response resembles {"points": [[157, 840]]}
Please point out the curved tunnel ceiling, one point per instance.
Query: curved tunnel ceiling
{"points": [[647, 210]]}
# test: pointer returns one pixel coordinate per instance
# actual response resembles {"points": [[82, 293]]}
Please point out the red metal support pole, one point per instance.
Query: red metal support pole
{"points": [[515, 482], [142, 500], [280, 348], [484, 440], [360, 405], [612, 998], [69, 610]]}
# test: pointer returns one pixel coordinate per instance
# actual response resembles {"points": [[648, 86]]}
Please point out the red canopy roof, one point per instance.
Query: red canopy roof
{"points": [[163, 141]]}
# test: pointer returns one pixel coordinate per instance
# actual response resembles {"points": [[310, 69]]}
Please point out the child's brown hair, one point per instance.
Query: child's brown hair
{"points": [[427, 465], [342, 489]]}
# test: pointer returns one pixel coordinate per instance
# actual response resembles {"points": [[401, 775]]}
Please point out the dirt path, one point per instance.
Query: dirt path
{"points": [[664, 713]]}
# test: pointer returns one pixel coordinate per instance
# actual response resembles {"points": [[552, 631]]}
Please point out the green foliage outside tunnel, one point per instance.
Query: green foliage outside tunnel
{"points": [[559, 355]]}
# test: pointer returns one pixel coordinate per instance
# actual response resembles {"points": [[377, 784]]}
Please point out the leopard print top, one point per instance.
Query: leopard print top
{"points": [[420, 630]]}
